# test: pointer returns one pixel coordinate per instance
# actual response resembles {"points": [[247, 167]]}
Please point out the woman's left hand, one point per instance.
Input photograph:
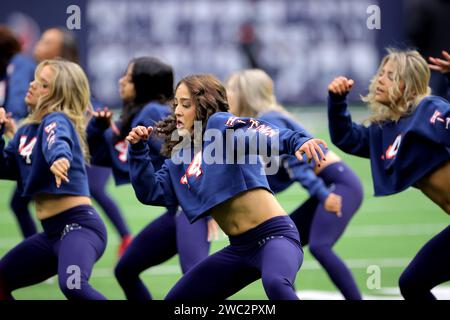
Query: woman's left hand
{"points": [[60, 169], [312, 150]]}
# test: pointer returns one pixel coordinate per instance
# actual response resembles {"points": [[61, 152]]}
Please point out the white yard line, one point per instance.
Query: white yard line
{"points": [[441, 293]]}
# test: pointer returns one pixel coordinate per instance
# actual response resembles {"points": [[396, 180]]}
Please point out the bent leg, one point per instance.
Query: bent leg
{"points": [[192, 242], [97, 178], [279, 261], [326, 229], [217, 277], [155, 244], [78, 251], [30, 262], [19, 206], [429, 268]]}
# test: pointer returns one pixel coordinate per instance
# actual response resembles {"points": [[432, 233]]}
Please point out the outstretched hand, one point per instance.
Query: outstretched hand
{"points": [[312, 150], [139, 133], [341, 85], [440, 65], [60, 169]]}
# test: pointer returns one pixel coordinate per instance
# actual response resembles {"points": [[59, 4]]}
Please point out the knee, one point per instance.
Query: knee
{"points": [[124, 271], [5, 293], [276, 285], [406, 284], [72, 288], [319, 251]]}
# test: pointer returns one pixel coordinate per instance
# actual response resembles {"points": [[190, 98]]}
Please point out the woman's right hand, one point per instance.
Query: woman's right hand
{"points": [[139, 133], [341, 85], [333, 203]]}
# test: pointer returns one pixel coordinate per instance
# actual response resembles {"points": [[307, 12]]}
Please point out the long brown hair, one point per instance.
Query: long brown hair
{"points": [[153, 81], [208, 96]]}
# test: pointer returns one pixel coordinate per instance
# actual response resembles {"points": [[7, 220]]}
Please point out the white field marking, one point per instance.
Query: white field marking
{"points": [[441, 293], [394, 230], [388, 230]]}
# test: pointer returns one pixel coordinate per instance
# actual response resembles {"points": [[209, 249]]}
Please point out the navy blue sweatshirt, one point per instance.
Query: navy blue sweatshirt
{"points": [[200, 184], [29, 155], [291, 169], [400, 152]]}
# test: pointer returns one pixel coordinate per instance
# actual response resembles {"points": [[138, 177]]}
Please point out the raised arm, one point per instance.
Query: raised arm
{"points": [[148, 117], [153, 188], [95, 136], [345, 134], [258, 133], [442, 65]]}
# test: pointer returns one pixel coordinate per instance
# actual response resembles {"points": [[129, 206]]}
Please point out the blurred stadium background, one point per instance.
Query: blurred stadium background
{"points": [[303, 44]]}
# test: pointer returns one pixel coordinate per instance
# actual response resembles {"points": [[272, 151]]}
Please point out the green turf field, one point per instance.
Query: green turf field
{"points": [[385, 232]]}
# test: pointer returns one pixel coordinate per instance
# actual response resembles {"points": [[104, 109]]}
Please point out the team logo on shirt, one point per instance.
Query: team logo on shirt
{"points": [[26, 148], [392, 150], [194, 169], [122, 148], [437, 117]]}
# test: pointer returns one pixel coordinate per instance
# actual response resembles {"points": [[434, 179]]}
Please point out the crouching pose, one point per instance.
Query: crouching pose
{"points": [[47, 158], [408, 144], [207, 175]]}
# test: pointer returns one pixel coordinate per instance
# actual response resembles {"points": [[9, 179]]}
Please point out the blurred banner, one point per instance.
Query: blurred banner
{"points": [[302, 44]]}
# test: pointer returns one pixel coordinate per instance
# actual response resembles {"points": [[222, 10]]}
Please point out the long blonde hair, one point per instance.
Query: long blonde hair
{"points": [[254, 93], [69, 93], [411, 70]]}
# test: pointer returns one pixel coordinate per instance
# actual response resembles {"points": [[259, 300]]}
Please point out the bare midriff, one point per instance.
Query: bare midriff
{"points": [[49, 205], [246, 211]]}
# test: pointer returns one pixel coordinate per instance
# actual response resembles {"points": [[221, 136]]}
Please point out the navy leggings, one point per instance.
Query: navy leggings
{"points": [[167, 235], [271, 252], [429, 268], [71, 243], [321, 229], [97, 177], [19, 206]]}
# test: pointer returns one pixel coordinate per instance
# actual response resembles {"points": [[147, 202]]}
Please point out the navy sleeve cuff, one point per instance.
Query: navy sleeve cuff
{"points": [[139, 146], [337, 97]]}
